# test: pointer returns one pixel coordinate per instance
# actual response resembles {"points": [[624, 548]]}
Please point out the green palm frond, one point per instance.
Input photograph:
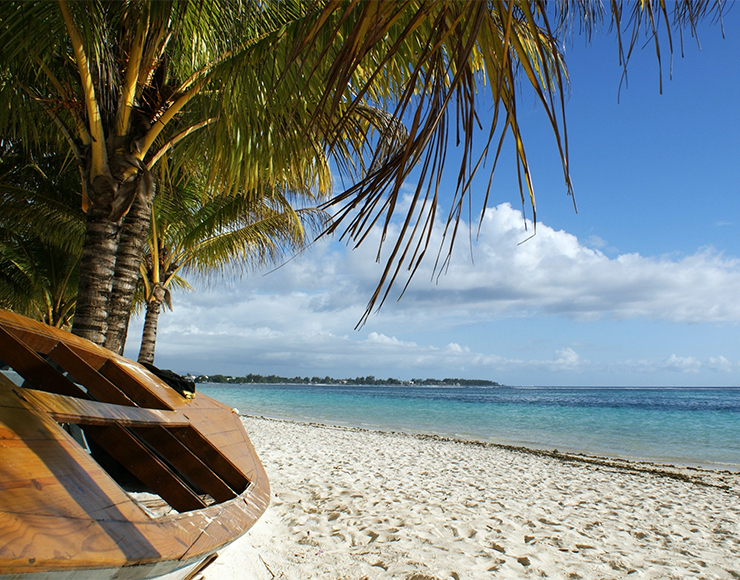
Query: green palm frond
{"points": [[210, 236], [41, 231], [258, 96], [38, 280], [39, 197]]}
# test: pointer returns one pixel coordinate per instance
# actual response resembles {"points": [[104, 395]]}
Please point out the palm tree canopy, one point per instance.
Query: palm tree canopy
{"points": [[262, 90], [41, 231], [142, 76], [196, 232]]}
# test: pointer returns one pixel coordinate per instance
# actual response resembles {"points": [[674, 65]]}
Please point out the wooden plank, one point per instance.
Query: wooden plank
{"points": [[93, 355], [217, 421], [37, 541], [34, 545], [45, 471], [7, 397], [56, 544], [134, 390], [213, 457], [19, 423], [153, 383], [230, 522], [34, 369], [149, 469], [40, 343], [82, 372], [51, 478], [241, 458], [83, 412], [43, 338], [182, 458]]}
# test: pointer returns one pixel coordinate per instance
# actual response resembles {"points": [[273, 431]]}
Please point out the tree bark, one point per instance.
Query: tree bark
{"points": [[96, 275], [117, 226], [128, 259], [149, 334]]}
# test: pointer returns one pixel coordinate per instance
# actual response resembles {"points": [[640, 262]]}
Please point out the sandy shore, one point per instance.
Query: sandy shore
{"points": [[355, 504]]}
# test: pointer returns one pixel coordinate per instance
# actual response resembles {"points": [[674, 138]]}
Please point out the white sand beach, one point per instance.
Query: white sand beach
{"points": [[355, 504]]}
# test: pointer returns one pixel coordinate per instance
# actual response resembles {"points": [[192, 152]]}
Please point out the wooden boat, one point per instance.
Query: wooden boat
{"points": [[90, 443]]}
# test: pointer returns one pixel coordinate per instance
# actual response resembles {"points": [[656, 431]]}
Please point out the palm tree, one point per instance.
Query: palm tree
{"points": [[194, 232], [41, 232], [124, 84], [260, 91], [38, 280]]}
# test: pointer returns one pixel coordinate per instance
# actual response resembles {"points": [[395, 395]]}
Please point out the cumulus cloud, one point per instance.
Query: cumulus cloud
{"points": [[720, 364], [553, 273], [376, 338], [683, 364], [302, 316]]}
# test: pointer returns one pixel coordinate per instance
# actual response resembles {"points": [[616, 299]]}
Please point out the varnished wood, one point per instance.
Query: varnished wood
{"points": [[212, 455], [147, 467], [82, 412], [116, 373], [180, 456], [33, 368], [88, 376], [60, 511]]}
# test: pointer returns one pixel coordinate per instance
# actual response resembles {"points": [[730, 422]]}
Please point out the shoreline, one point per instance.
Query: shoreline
{"points": [[692, 430], [354, 503], [675, 469]]}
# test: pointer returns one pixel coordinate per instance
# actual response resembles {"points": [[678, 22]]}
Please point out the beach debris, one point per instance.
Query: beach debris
{"points": [[498, 548], [272, 574]]}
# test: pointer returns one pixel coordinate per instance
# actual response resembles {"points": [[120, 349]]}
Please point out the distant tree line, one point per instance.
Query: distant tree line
{"points": [[368, 380]]}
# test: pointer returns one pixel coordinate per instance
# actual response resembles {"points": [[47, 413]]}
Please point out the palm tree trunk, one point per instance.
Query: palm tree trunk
{"points": [[149, 335], [128, 259], [96, 275]]}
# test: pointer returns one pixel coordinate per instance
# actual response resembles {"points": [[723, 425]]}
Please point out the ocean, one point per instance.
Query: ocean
{"points": [[684, 426]]}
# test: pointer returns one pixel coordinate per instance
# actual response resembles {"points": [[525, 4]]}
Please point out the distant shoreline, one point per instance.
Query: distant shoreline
{"points": [[370, 380]]}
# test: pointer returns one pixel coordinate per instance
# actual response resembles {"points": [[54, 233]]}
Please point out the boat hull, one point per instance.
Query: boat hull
{"points": [[64, 512]]}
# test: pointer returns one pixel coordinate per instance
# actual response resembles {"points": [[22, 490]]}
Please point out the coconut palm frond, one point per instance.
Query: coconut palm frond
{"points": [[38, 280], [39, 196], [41, 231], [636, 24], [259, 96], [453, 44], [427, 60]]}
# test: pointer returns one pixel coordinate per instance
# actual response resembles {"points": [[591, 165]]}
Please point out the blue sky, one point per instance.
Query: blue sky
{"points": [[640, 287]]}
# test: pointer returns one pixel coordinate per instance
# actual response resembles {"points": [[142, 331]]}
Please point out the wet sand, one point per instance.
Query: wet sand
{"points": [[355, 504]]}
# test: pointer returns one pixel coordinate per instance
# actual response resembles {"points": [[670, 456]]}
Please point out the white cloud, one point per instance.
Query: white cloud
{"points": [[682, 364], [376, 338], [453, 347], [553, 273], [550, 274], [720, 364], [595, 241], [567, 358], [301, 316]]}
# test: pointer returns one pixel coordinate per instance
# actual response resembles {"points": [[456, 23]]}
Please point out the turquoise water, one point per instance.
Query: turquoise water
{"points": [[673, 425]]}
